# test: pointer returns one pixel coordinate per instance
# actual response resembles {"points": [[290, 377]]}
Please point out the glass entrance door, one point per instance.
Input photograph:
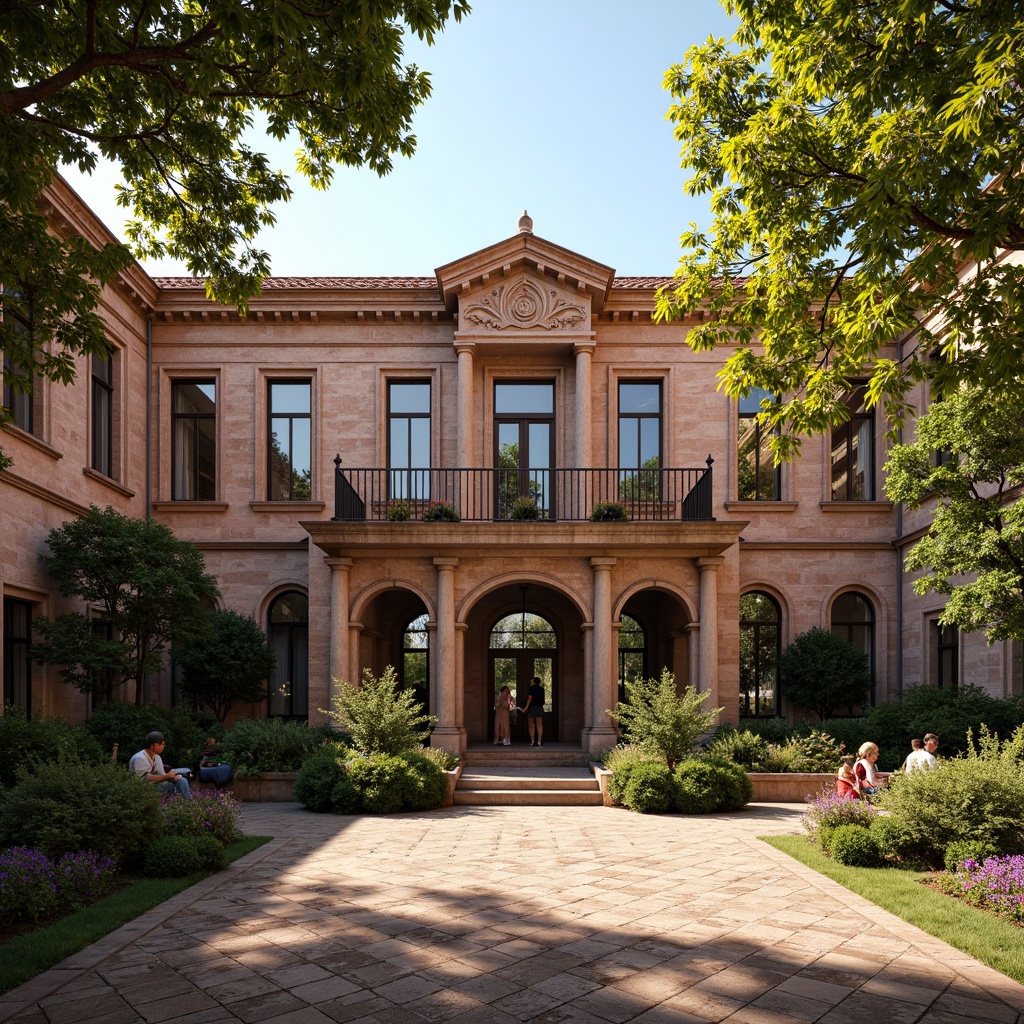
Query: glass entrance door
{"points": [[515, 669], [524, 443]]}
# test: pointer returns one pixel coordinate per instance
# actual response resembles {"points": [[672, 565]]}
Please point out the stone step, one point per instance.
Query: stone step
{"points": [[539, 778], [528, 797], [532, 757]]}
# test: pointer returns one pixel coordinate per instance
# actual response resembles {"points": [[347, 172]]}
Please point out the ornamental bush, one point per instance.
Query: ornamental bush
{"points": [[735, 785], [826, 810], [318, 776], [524, 509], [816, 752], [255, 745], [704, 785], [440, 512], [742, 747], [854, 846], [33, 885], [621, 761], [72, 805], [27, 741], [211, 852], [957, 854], [380, 780], [650, 789], [609, 512], [206, 814], [426, 785], [173, 857], [897, 844]]}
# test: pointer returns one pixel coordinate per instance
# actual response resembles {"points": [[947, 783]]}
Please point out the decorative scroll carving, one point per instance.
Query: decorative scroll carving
{"points": [[525, 304]]}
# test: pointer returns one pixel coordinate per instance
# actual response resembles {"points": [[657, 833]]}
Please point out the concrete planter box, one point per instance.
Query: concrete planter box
{"points": [[453, 779], [789, 787], [269, 787]]}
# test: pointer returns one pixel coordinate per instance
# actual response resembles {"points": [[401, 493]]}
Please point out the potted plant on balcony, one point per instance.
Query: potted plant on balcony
{"points": [[524, 508], [440, 512], [608, 512], [398, 512]]}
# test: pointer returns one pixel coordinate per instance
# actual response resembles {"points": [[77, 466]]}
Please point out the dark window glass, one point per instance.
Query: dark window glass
{"points": [[289, 636], [103, 415], [639, 425], [290, 445], [946, 650], [521, 398], [853, 445], [524, 445], [759, 479], [17, 665], [853, 617], [523, 630], [18, 391], [760, 650], [416, 659], [632, 653], [409, 439], [194, 440]]}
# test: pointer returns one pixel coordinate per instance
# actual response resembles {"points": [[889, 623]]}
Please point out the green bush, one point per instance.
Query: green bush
{"points": [[440, 512], [381, 716], [126, 725], [255, 745], [398, 512], [621, 761], [26, 742], [445, 761], [524, 509], [319, 775], [609, 512], [898, 845], [781, 757], [173, 857], [742, 747], [426, 785], [736, 787], [345, 797], [71, 805], [854, 846], [816, 751], [772, 730], [957, 853], [380, 780], [206, 814], [650, 789], [698, 787], [211, 853]]}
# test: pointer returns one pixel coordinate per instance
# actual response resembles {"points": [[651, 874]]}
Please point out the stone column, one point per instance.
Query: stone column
{"points": [[446, 734], [603, 682], [339, 621], [587, 638], [584, 425], [707, 655], [466, 427], [460, 679], [692, 642]]}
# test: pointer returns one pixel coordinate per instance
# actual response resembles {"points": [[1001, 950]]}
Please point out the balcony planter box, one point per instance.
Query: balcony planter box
{"points": [[270, 787], [789, 787]]}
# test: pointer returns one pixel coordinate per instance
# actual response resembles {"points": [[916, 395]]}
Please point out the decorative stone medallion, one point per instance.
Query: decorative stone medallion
{"points": [[526, 305]]}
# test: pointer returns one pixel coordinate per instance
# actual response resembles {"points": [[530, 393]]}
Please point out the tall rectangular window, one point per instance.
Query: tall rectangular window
{"points": [[19, 389], [409, 439], [945, 643], [103, 415], [853, 445], [194, 440], [640, 440], [289, 447], [17, 666], [759, 479]]}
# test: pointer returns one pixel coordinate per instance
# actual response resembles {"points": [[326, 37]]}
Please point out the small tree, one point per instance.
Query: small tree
{"points": [[226, 664], [381, 717], [660, 720], [147, 586], [823, 671]]}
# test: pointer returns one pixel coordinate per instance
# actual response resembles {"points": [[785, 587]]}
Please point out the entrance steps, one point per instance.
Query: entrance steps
{"points": [[557, 755], [548, 786]]}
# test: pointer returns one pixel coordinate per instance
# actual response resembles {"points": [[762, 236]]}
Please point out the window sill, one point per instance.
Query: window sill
{"points": [[763, 506], [108, 481], [287, 506], [33, 441], [855, 506], [190, 506]]}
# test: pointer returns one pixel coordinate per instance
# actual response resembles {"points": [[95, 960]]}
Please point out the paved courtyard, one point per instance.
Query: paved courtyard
{"points": [[486, 915]]}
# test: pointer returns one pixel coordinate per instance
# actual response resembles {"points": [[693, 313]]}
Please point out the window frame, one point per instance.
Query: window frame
{"points": [[195, 417], [291, 628], [758, 443], [102, 391], [408, 482], [849, 430], [20, 404], [291, 418], [621, 417], [754, 710], [850, 624], [17, 645]]}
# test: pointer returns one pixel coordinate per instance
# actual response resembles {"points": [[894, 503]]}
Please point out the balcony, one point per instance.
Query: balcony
{"points": [[497, 494]]}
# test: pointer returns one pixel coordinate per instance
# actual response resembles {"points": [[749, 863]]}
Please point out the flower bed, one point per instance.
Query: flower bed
{"points": [[34, 886], [996, 885]]}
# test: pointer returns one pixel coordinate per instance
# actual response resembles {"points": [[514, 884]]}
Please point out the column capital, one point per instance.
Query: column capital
{"points": [[334, 563], [584, 348], [461, 627], [469, 347], [445, 563], [603, 562], [711, 562]]}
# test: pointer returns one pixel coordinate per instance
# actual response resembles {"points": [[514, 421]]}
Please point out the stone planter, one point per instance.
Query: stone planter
{"points": [[789, 787], [453, 778], [269, 787]]}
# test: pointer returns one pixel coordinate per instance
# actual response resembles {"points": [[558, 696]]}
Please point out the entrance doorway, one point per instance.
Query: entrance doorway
{"points": [[524, 645]]}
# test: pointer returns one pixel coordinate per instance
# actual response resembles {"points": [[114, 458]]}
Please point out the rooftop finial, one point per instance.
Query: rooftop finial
{"points": [[525, 224]]}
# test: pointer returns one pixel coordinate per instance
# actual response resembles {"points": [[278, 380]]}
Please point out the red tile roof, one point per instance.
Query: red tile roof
{"points": [[381, 283]]}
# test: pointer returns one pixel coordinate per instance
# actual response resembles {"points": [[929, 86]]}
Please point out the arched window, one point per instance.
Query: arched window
{"points": [[522, 630], [289, 636], [416, 659], [632, 652], [760, 650], [854, 618]]}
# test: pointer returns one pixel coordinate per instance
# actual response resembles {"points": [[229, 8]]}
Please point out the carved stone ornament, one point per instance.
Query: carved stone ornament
{"points": [[525, 305]]}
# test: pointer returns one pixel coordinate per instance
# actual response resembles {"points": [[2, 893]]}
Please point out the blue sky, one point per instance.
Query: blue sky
{"points": [[554, 106]]}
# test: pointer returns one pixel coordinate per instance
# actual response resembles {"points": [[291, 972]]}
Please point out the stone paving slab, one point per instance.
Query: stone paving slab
{"points": [[513, 914]]}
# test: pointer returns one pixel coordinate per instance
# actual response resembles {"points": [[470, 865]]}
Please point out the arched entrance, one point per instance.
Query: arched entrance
{"points": [[395, 633], [524, 645]]}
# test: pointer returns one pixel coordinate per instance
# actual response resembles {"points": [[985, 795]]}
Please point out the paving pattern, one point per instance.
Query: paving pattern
{"points": [[487, 915]]}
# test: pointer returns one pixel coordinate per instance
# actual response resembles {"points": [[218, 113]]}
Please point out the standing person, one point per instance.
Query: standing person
{"points": [[534, 710], [867, 778], [149, 766], [920, 759], [502, 725]]}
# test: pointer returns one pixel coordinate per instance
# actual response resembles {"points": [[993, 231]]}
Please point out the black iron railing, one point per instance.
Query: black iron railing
{"points": [[486, 495]]}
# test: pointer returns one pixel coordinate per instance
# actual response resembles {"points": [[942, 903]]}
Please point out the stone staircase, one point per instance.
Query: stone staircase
{"points": [[528, 784]]}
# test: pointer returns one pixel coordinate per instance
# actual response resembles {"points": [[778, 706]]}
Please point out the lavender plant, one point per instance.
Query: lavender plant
{"points": [[206, 814], [826, 811], [33, 885], [996, 885]]}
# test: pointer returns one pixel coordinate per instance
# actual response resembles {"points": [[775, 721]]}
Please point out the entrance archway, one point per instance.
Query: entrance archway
{"points": [[524, 645]]}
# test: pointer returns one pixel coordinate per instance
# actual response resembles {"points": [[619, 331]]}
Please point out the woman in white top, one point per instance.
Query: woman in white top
{"points": [[864, 769]]}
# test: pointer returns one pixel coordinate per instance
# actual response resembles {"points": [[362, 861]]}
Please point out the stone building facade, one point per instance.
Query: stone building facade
{"points": [[306, 445]]}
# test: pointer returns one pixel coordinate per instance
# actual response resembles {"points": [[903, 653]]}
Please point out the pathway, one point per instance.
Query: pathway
{"points": [[488, 915]]}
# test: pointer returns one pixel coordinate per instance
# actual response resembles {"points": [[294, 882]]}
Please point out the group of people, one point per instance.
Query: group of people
{"points": [[857, 777], [148, 764], [533, 709]]}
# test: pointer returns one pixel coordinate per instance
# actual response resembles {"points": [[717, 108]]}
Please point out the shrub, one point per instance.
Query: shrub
{"points": [[608, 512], [704, 785], [896, 843], [823, 672], [816, 752], [828, 811], [26, 742], [255, 745], [524, 509], [650, 789], [206, 814], [996, 885], [854, 846], [781, 758], [73, 805], [656, 717], [773, 730], [735, 785], [345, 797], [958, 853], [211, 853], [440, 512], [425, 786], [398, 512], [380, 780], [381, 717], [126, 725], [172, 857], [318, 776], [445, 761], [620, 761], [36, 886], [741, 747]]}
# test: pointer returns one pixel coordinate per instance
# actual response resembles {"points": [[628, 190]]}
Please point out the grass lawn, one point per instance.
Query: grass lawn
{"points": [[35, 951], [989, 939]]}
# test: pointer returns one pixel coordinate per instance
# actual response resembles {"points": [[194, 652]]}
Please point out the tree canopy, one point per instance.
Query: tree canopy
{"points": [[969, 457], [858, 157], [824, 672], [145, 587], [172, 90]]}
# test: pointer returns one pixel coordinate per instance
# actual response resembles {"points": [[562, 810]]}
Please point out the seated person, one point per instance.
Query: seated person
{"points": [[148, 765], [211, 769], [847, 787]]}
